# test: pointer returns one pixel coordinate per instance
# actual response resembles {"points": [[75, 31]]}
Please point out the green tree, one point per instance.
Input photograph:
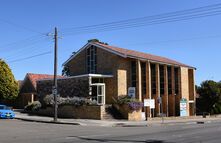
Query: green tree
{"points": [[8, 85], [96, 40], [210, 97]]}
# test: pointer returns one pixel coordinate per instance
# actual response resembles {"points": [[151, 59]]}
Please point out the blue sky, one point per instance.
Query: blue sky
{"points": [[195, 42]]}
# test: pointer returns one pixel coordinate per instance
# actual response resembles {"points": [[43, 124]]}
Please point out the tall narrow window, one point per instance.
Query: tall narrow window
{"points": [[92, 59], [176, 81], [161, 80], [169, 77], [133, 73], [143, 78], [153, 79]]}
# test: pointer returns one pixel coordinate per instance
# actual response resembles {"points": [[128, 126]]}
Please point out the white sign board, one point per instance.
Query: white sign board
{"points": [[131, 92], [183, 107], [146, 102], [150, 103]]}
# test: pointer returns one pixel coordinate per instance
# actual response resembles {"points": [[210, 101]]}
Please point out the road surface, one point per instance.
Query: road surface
{"points": [[16, 131]]}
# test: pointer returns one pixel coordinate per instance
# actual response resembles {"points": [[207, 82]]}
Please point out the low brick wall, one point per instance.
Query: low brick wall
{"points": [[127, 113], [77, 112]]}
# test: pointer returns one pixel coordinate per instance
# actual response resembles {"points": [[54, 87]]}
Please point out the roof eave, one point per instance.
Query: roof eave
{"points": [[160, 62], [94, 44], [73, 56]]}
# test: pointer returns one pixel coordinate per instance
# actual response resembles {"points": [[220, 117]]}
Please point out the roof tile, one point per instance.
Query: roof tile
{"points": [[136, 54], [35, 77]]}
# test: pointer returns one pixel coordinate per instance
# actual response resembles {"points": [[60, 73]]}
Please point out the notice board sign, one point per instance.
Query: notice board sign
{"points": [[183, 107], [131, 92], [149, 103]]}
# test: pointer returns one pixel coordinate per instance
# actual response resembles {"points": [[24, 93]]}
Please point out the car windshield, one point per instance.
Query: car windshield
{"points": [[2, 107]]}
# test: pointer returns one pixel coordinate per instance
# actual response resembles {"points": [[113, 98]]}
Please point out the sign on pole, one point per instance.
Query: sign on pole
{"points": [[149, 103], [152, 103]]}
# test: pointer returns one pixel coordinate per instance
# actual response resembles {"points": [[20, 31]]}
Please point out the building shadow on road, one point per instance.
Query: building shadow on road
{"points": [[119, 140]]}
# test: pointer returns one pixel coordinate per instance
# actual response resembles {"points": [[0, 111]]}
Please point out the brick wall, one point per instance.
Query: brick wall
{"points": [[66, 87], [78, 65], [77, 112]]}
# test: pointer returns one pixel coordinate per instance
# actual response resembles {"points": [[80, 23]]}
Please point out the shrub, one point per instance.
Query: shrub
{"points": [[49, 100], [34, 106], [76, 101], [133, 103]]}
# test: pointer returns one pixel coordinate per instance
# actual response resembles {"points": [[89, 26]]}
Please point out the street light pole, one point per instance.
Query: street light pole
{"points": [[55, 75]]}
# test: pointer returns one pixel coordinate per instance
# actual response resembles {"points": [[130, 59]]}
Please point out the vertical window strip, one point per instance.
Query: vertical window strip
{"points": [[162, 80], [143, 77], [176, 81], [133, 73], [153, 79], [169, 77], [92, 59]]}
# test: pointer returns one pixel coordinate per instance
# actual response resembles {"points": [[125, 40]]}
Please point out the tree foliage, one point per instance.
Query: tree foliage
{"points": [[8, 85], [210, 97], [96, 40]]}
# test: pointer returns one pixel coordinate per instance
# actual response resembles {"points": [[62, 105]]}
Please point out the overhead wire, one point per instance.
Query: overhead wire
{"points": [[20, 26], [200, 12], [176, 40], [28, 50], [30, 57]]}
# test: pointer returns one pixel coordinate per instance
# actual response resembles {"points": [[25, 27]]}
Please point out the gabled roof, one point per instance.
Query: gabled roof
{"points": [[35, 77], [126, 53]]}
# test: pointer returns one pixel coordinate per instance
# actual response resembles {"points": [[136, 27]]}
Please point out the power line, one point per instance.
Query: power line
{"points": [[139, 24], [188, 14], [25, 51], [132, 25], [23, 42], [165, 15], [30, 57], [176, 40], [20, 26]]}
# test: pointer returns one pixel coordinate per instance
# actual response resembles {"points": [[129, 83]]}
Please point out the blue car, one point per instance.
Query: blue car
{"points": [[6, 112]]}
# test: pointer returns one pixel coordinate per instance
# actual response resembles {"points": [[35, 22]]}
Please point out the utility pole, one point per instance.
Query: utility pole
{"points": [[55, 76]]}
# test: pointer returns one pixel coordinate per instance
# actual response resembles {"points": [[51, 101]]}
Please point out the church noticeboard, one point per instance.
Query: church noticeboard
{"points": [[183, 107], [131, 92]]}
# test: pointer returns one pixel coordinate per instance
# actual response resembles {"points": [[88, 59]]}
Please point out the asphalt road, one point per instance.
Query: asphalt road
{"points": [[15, 131]]}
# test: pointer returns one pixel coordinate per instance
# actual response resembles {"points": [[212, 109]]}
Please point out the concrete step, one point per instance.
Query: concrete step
{"points": [[110, 113]]}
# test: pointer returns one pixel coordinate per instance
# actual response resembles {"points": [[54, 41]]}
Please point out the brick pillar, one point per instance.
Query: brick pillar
{"points": [[157, 105], [148, 87], [185, 85], [173, 92], [138, 83], [32, 98], [165, 101]]}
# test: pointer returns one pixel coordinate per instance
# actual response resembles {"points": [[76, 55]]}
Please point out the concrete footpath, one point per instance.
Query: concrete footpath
{"points": [[119, 123]]}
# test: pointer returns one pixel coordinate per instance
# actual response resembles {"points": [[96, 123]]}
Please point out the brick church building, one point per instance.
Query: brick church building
{"points": [[112, 70]]}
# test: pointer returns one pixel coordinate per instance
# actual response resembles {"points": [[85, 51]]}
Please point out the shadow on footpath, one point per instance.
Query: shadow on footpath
{"points": [[118, 140]]}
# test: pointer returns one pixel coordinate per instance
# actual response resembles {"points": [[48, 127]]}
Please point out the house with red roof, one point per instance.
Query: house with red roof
{"points": [[162, 84], [28, 88]]}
